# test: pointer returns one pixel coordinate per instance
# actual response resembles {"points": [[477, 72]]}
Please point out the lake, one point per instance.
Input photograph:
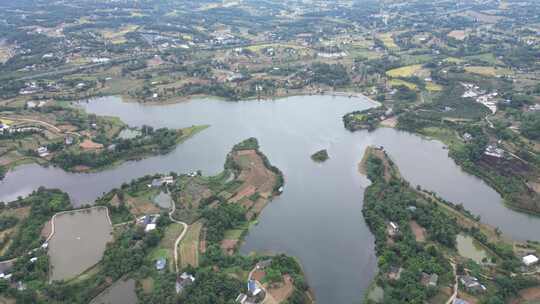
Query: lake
{"points": [[318, 217], [78, 242]]}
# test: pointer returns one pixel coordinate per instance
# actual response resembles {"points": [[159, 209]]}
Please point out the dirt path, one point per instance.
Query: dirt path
{"points": [[454, 294], [180, 237]]}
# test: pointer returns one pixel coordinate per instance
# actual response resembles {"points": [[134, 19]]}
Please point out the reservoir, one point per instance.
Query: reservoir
{"points": [[318, 217]]}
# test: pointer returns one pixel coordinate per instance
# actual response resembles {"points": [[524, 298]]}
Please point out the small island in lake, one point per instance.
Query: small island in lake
{"points": [[320, 156]]}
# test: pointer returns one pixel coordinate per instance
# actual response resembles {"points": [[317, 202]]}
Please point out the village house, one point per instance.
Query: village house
{"points": [[394, 273], [393, 229], [242, 298], [494, 151], [43, 151], [263, 264], [472, 284], [158, 182], [184, 280], [460, 301], [149, 222], [4, 128], [68, 140], [529, 260], [429, 280]]}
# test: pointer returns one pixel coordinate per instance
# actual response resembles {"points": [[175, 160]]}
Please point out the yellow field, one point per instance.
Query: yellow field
{"points": [[118, 36], [433, 87], [399, 82], [406, 71], [388, 41], [6, 121], [189, 246], [487, 71]]}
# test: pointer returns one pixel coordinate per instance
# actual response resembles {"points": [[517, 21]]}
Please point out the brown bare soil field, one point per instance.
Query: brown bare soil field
{"points": [[254, 173], [141, 206], [389, 122], [528, 296], [67, 128], [147, 285], [535, 186], [46, 230], [228, 246], [7, 300], [459, 35], [467, 297], [258, 275], [81, 168], [193, 193], [246, 191], [283, 291], [379, 154], [88, 144], [419, 231]]}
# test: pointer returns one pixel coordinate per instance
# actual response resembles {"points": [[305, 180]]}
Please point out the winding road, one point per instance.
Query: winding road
{"points": [[180, 237]]}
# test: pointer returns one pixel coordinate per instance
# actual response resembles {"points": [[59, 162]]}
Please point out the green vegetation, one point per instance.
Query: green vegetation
{"points": [[391, 199], [388, 201], [149, 142], [320, 156], [43, 203]]}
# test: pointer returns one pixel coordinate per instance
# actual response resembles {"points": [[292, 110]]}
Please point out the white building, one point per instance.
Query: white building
{"points": [[43, 151], [149, 227], [530, 260]]}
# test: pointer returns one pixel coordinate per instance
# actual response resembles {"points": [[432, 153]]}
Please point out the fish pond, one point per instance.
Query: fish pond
{"points": [[78, 242]]}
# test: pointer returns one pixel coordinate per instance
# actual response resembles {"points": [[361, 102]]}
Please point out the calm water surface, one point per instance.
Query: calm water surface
{"points": [[468, 247], [122, 292], [318, 217], [79, 242]]}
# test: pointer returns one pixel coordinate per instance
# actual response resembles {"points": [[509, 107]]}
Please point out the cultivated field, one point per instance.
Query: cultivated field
{"points": [[388, 41], [487, 71], [189, 247], [405, 71]]}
